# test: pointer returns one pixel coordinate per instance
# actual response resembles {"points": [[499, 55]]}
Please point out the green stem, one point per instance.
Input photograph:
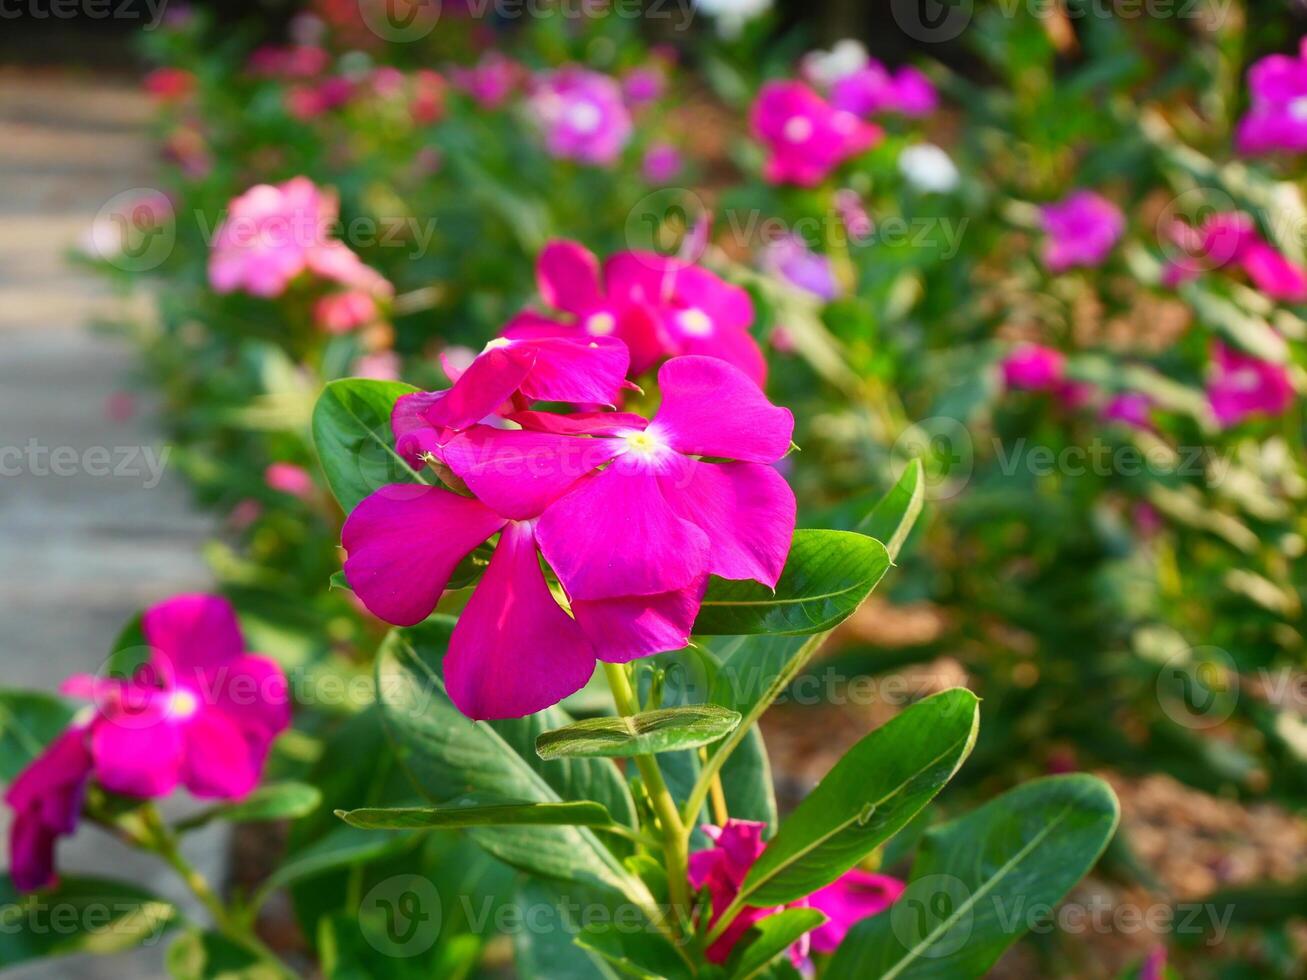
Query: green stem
{"points": [[163, 841], [676, 839]]}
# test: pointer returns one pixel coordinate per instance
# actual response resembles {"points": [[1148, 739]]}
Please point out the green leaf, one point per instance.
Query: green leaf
{"points": [[547, 948], [650, 732], [578, 814], [197, 955], [635, 952], [826, 577], [29, 721], [80, 915], [342, 847], [276, 801], [877, 787], [892, 519], [351, 430], [769, 938], [982, 880], [449, 755]]}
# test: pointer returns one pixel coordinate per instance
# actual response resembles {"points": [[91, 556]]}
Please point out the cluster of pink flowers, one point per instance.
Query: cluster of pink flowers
{"points": [[722, 868], [273, 234], [1034, 367], [858, 83], [807, 138], [1231, 239], [202, 713], [628, 512], [582, 114], [656, 305], [1082, 230], [1241, 386], [492, 81], [1277, 118]]}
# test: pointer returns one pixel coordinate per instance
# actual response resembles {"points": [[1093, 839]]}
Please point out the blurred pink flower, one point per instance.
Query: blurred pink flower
{"points": [[290, 479], [1277, 117], [807, 138], [380, 366], [1231, 238], [662, 163], [1131, 408], [46, 798], [1241, 386], [338, 313], [872, 89], [490, 81], [1032, 367], [1082, 229], [582, 115], [170, 84]]}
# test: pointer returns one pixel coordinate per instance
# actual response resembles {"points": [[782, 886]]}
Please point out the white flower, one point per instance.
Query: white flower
{"points": [[928, 168], [732, 15], [825, 68]]}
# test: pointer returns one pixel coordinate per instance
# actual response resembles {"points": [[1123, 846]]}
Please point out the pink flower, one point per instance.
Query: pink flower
{"points": [[1241, 386], [644, 84], [46, 798], [1082, 229], [380, 366], [658, 306], [628, 517], [201, 713], [721, 869], [872, 89], [289, 479], [789, 259], [1277, 118], [170, 84], [1130, 408], [807, 137], [294, 61], [1231, 238], [662, 163], [582, 114], [490, 81], [338, 313], [272, 234], [1033, 368]]}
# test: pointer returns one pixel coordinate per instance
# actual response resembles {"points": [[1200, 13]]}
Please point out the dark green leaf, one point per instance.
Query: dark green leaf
{"points": [[650, 732], [547, 948], [633, 949], [29, 721], [276, 801], [982, 880], [769, 938], [578, 814], [80, 915], [891, 520], [877, 787], [351, 430], [342, 847], [826, 577], [197, 955]]}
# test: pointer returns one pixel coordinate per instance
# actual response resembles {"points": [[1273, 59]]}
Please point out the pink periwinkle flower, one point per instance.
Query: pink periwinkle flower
{"points": [[873, 89], [289, 479], [1231, 238], [274, 233], [1241, 386], [788, 258], [722, 868], [657, 305], [1032, 367], [806, 136], [625, 512], [644, 84], [491, 81], [338, 313], [1082, 229], [1130, 408], [582, 114], [47, 802], [1277, 117], [662, 163]]}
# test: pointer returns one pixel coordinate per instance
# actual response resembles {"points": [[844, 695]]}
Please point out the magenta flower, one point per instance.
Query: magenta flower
{"points": [[872, 89], [789, 259], [722, 868], [659, 307], [1241, 386], [582, 114], [807, 138], [628, 517], [1277, 117], [47, 802], [662, 163], [289, 479], [1082, 229], [273, 234], [201, 713], [491, 81], [1032, 367], [1131, 408], [1231, 238]]}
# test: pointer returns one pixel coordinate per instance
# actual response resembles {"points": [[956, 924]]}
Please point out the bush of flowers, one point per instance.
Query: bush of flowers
{"points": [[564, 396]]}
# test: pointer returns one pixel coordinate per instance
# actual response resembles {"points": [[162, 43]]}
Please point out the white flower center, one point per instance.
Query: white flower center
{"points": [[1298, 108], [600, 324], [644, 444], [798, 129], [695, 322], [584, 117], [182, 704]]}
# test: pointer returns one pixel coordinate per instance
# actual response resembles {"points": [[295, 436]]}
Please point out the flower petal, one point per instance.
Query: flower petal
{"points": [[138, 753], [711, 408], [579, 370], [518, 473], [568, 276], [854, 896], [404, 542], [628, 627], [489, 381], [580, 423], [221, 762], [616, 535], [253, 694], [746, 509], [515, 651], [193, 632]]}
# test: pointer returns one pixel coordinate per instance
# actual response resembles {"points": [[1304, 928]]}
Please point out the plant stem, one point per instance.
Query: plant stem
{"points": [[164, 843], [676, 839]]}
